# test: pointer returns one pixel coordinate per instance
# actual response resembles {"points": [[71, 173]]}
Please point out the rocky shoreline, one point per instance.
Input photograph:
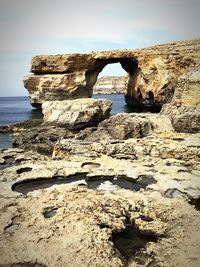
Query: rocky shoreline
{"points": [[83, 187]]}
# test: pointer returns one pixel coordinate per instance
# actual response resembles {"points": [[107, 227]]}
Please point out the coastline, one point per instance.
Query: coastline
{"points": [[84, 186]]}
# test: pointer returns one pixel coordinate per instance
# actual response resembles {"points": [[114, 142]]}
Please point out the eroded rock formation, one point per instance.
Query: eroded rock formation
{"points": [[125, 192], [162, 74], [78, 113]]}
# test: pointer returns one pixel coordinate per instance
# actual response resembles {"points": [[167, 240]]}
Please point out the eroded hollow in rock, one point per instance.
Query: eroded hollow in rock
{"points": [[24, 169], [90, 165], [49, 212], [8, 162], [11, 228], [173, 192], [131, 240], [42, 183], [196, 203], [100, 183], [121, 181]]}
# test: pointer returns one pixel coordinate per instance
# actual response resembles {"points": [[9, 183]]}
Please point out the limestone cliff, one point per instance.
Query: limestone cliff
{"points": [[162, 74], [110, 85]]}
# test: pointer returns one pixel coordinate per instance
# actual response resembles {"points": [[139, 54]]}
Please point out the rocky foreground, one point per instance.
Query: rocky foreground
{"points": [[83, 188]]}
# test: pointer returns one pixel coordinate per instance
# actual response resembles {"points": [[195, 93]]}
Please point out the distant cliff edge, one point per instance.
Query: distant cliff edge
{"points": [[110, 85]]}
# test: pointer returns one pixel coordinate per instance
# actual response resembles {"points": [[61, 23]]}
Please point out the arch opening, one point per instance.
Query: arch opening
{"points": [[135, 100]]}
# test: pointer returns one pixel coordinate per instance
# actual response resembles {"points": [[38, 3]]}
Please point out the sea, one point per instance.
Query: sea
{"points": [[17, 109]]}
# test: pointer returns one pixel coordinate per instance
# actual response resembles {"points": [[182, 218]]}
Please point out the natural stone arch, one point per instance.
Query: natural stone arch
{"points": [[129, 65], [166, 76]]}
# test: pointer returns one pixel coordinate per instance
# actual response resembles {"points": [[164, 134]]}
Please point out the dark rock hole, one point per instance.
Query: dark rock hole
{"points": [[92, 182], [196, 203], [90, 165], [25, 169], [130, 240], [42, 183]]}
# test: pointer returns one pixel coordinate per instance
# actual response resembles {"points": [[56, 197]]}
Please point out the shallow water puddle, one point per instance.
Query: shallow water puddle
{"points": [[11, 228], [93, 182], [42, 183], [173, 192], [121, 181], [5, 140], [90, 165], [50, 212]]}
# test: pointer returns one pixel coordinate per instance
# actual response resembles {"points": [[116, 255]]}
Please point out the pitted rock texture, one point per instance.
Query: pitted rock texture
{"points": [[163, 145], [71, 225], [121, 126], [78, 113]]}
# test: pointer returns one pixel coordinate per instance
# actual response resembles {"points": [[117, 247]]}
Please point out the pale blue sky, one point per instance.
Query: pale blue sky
{"points": [[30, 28]]}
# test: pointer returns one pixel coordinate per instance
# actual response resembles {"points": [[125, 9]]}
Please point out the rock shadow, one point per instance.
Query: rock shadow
{"points": [[91, 182]]}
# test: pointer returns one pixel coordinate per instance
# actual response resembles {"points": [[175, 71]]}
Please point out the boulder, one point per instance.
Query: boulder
{"points": [[76, 114], [120, 126]]}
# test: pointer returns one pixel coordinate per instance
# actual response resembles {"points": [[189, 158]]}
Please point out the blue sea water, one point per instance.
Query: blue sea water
{"points": [[16, 109]]}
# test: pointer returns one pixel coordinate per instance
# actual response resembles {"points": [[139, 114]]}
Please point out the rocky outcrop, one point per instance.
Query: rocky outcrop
{"points": [[103, 211], [76, 114], [184, 109], [41, 136], [163, 145], [110, 85], [52, 87], [157, 75], [120, 126]]}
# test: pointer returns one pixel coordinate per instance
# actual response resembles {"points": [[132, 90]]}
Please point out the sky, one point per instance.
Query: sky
{"points": [[35, 27]]}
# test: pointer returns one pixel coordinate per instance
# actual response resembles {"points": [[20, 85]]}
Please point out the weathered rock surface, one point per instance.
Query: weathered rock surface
{"points": [[157, 75], [184, 110], [89, 216], [76, 114], [163, 145], [50, 87], [41, 137], [123, 126], [110, 85], [120, 126], [35, 135], [125, 192], [113, 203]]}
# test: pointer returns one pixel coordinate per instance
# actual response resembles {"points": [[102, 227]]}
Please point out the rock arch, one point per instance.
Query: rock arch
{"points": [[129, 65], [163, 74]]}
